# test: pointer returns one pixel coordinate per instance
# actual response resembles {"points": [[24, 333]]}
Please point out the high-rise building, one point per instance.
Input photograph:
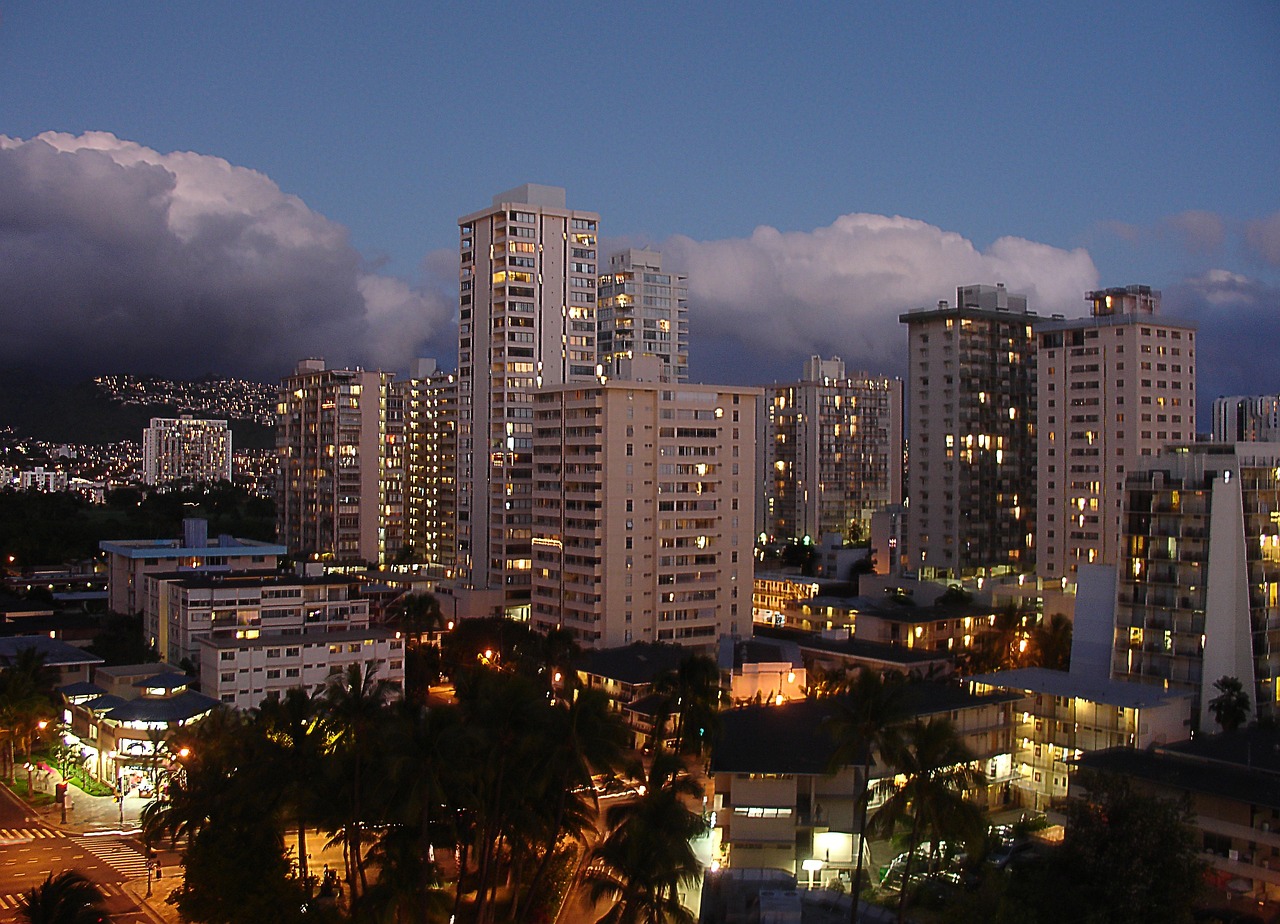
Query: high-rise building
{"points": [[972, 444], [1251, 418], [831, 452], [186, 447], [643, 522], [1114, 388], [430, 405], [527, 319], [331, 443], [642, 311], [1199, 581]]}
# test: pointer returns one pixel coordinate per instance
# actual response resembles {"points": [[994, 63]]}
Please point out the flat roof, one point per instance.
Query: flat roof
{"points": [[639, 662], [854, 647], [793, 737], [173, 548], [1062, 683], [56, 653], [1174, 768], [207, 580]]}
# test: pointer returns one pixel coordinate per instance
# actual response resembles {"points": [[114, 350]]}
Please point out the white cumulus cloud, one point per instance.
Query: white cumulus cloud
{"points": [[777, 297]]}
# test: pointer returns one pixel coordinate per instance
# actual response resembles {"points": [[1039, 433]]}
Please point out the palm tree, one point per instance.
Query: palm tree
{"points": [[936, 772], [68, 898], [416, 615], [867, 714], [296, 728], [587, 737], [1051, 643], [647, 855], [696, 686], [354, 703], [25, 685], [1231, 706]]}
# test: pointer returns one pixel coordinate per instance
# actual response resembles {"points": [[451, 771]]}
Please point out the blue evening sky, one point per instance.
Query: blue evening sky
{"points": [[988, 119]]}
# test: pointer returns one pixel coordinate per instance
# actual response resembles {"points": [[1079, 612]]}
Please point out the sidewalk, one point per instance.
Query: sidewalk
{"points": [[103, 815]]}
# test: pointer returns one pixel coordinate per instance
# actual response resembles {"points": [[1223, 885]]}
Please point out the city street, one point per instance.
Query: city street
{"points": [[31, 848]]}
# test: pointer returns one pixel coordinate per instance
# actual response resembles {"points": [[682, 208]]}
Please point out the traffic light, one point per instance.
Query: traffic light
{"points": [[61, 793]]}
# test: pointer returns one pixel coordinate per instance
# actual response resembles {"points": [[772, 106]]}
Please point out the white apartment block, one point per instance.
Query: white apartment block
{"points": [[42, 479], [972, 449], [128, 560], [831, 452], [527, 303], [331, 441], [643, 519], [242, 671], [1114, 388], [642, 311], [186, 447], [1246, 418], [255, 634]]}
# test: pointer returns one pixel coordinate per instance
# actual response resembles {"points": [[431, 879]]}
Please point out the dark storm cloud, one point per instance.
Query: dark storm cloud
{"points": [[1239, 328], [114, 257]]}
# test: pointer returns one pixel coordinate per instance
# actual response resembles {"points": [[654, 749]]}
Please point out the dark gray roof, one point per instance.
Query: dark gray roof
{"points": [[105, 703], [82, 688], [56, 653], [650, 705], [791, 738], [1062, 683], [638, 663], [854, 648], [1175, 769], [167, 681], [186, 705]]}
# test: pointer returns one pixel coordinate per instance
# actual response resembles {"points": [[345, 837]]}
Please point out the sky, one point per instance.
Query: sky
{"points": [[192, 187]]}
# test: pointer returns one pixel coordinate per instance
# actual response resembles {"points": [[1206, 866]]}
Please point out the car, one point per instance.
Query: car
{"points": [[1003, 857]]}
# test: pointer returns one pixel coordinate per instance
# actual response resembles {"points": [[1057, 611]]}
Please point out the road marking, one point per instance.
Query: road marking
{"points": [[10, 836], [121, 857]]}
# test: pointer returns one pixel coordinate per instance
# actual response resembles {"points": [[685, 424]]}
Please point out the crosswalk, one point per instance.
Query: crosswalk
{"points": [[126, 860], [9, 836], [12, 900]]}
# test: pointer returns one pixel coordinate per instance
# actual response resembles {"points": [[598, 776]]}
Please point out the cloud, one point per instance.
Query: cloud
{"points": [[1199, 231], [1239, 324], [116, 257], [1262, 239], [760, 305]]}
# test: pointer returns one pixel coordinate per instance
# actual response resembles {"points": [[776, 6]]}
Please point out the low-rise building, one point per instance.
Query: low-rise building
{"points": [[1233, 784], [119, 725], [779, 805], [241, 672], [1059, 717], [129, 559]]}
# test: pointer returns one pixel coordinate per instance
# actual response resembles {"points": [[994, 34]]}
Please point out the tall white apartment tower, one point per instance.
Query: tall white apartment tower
{"points": [[972, 443], [527, 319], [1113, 389], [185, 447], [831, 452], [643, 311]]}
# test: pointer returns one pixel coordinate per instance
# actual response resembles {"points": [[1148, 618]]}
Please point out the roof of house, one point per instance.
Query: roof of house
{"points": [[56, 653], [81, 688], [169, 680], [1227, 770], [897, 610], [186, 705], [791, 737], [641, 662], [860, 649], [1062, 683], [174, 548]]}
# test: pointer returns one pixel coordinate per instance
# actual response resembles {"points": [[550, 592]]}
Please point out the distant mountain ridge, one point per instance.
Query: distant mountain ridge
{"points": [[86, 412]]}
